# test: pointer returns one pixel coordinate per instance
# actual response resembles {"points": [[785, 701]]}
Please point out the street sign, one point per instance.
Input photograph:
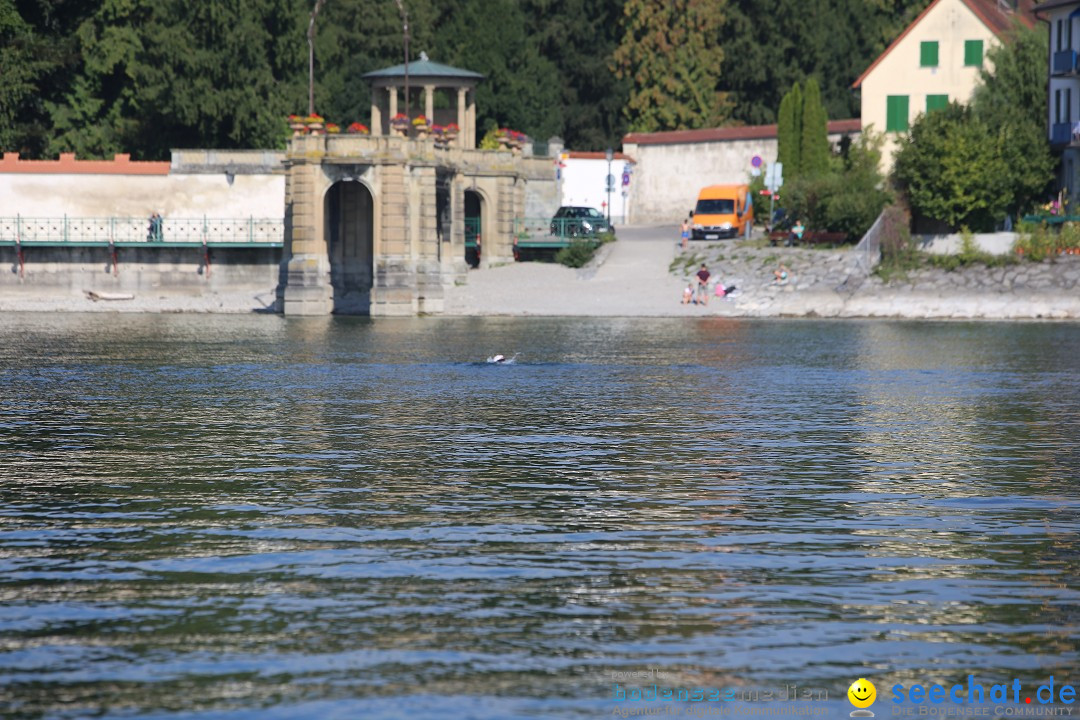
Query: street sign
{"points": [[774, 176], [610, 182], [625, 179], [755, 161]]}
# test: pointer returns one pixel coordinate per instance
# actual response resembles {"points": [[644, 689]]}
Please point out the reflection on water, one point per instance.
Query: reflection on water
{"points": [[258, 517]]}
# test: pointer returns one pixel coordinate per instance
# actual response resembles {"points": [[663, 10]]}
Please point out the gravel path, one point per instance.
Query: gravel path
{"points": [[628, 277]]}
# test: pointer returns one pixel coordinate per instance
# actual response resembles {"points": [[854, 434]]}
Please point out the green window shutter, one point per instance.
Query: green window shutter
{"points": [[928, 54], [973, 53], [896, 113], [936, 102]]}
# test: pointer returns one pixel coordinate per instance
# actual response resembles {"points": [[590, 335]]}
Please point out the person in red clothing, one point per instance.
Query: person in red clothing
{"points": [[703, 285]]}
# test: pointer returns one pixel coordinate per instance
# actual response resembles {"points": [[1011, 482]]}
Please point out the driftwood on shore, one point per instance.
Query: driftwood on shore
{"points": [[95, 296]]}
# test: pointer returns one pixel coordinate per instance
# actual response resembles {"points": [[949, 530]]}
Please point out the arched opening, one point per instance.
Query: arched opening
{"points": [[474, 223], [349, 222]]}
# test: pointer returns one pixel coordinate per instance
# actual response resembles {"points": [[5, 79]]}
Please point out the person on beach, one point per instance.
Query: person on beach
{"points": [[781, 275], [685, 234], [688, 295], [797, 231], [703, 284]]}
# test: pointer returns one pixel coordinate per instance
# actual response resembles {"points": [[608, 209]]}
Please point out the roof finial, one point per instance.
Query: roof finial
{"points": [[423, 56]]}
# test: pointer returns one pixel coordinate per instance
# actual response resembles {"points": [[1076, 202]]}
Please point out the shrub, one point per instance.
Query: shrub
{"points": [[577, 254], [848, 198], [1038, 242]]}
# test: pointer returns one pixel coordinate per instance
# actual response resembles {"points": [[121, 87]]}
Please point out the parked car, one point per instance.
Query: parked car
{"points": [[572, 221]]}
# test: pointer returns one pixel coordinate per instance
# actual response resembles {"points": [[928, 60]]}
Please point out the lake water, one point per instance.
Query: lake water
{"points": [[251, 517]]}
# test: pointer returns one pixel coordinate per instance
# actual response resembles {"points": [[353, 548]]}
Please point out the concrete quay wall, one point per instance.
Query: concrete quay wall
{"points": [[157, 279]]}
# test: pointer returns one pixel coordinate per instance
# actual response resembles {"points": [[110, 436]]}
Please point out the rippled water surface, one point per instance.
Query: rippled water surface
{"points": [[247, 517]]}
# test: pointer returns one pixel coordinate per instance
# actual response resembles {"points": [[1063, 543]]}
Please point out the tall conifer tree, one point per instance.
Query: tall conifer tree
{"points": [[789, 132], [814, 144]]}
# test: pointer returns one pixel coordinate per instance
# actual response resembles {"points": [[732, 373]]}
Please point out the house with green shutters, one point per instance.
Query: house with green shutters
{"points": [[935, 60]]}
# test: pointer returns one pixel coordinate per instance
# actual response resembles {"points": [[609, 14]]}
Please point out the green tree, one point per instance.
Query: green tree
{"points": [[772, 44], [814, 150], [1012, 101], [38, 56], [953, 169], [170, 73], [97, 115], [579, 37], [670, 51], [354, 37], [789, 132], [521, 88]]}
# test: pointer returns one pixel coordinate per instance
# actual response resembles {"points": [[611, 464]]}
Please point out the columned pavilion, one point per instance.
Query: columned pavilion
{"points": [[431, 77]]}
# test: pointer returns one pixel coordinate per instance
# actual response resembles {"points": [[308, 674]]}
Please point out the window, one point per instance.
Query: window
{"points": [[973, 53], [1068, 105], [896, 113], [928, 54], [1060, 33], [936, 102], [1057, 106], [714, 207]]}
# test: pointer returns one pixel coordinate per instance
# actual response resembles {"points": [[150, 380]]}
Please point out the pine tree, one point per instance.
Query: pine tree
{"points": [[670, 52], [814, 143]]}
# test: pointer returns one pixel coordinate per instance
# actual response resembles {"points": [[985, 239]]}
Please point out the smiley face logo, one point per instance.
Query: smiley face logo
{"points": [[862, 694]]}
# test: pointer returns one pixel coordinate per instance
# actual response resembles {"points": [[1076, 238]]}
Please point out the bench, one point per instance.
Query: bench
{"points": [[810, 237]]}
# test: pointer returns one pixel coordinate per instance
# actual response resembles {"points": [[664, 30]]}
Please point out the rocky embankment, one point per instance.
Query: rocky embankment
{"points": [[834, 283]]}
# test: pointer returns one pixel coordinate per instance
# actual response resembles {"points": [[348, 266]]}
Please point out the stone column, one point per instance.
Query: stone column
{"points": [[500, 247], [427, 264], [307, 271], [376, 113], [429, 103], [453, 253], [393, 101], [470, 121], [460, 140], [394, 288]]}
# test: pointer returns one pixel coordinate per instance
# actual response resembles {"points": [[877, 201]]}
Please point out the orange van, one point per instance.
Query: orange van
{"points": [[722, 211]]}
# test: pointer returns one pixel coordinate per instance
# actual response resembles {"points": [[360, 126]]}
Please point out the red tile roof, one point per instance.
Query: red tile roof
{"points": [[727, 134], [1051, 4], [588, 155], [121, 164], [999, 22]]}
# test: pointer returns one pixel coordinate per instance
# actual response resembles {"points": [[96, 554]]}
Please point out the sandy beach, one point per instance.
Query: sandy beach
{"points": [[644, 273]]}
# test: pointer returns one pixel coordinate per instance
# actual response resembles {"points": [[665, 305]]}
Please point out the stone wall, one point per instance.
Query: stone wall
{"points": [[214, 184], [998, 243], [671, 167], [158, 279]]}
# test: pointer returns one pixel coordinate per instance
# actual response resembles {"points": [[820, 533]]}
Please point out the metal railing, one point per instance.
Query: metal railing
{"points": [[1064, 133], [84, 231], [1064, 62], [558, 231]]}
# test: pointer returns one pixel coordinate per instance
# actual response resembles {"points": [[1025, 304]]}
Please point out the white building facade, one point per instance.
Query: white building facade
{"points": [[583, 182], [1063, 106]]}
